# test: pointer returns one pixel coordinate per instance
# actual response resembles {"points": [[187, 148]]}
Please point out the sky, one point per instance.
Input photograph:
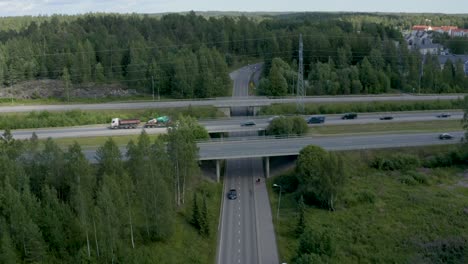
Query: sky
{"points": [[48, 7]]}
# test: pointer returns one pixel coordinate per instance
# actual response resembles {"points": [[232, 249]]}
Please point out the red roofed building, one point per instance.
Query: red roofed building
{"points": [[421, 28]]}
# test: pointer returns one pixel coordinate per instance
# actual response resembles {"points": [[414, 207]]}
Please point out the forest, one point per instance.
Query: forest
{"points": [[189, 56], [57, 207]]}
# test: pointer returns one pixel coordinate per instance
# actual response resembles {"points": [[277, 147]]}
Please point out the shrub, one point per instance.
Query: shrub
{"points": [[419, 177], [288, 182], [295, 125], [314, 242], [408, 180], [336, 108], [398, 161], [366, 196]]}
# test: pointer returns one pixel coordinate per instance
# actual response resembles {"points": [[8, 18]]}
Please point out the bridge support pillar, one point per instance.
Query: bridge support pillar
{"points": [[256, 109], [226, 111], [218, 170], [267, 167]]}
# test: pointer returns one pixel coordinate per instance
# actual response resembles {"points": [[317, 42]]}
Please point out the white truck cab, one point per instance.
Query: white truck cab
{"points": [[115, 122]]}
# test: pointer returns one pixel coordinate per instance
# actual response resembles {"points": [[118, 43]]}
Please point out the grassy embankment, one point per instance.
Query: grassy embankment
{"points": [[401, 216], [79, 117], [363, 107], [49, 101]]}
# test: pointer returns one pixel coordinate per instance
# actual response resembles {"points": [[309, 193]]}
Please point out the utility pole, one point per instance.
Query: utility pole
{"points": [[300, 79]]}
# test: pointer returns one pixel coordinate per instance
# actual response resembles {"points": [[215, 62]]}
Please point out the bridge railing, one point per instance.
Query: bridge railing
{"points": [[249, 138]]}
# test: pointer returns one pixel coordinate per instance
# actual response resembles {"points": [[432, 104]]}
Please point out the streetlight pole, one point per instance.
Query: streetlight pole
{"points": [[279, 200]]}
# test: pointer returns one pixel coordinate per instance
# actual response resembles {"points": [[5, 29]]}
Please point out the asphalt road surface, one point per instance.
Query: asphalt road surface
{"points": [[241, 235], [230, 125], [225, 102], [238, 234], [269, 147]]}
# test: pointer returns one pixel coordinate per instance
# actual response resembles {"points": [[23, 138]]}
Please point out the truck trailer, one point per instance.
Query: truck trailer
{"points": [[124, 123], [162, 121]]}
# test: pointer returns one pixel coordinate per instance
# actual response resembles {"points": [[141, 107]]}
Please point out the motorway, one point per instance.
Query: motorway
{"points": [[238, 233], [240, 101], [229, 125], [250, 147], [270, 147], [242, 237]]}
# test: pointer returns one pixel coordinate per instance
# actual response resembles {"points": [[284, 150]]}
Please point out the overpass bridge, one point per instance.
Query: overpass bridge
{"points": [[266, 147]]}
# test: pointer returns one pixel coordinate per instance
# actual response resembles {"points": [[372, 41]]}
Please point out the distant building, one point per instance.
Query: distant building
{"points": [[459, 33], [454, 58], [452, 31]]}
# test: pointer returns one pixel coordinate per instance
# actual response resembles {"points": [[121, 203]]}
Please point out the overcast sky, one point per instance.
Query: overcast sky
{"points": [[47, 7]]}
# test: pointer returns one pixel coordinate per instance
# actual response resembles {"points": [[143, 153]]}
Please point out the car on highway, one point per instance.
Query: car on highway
{"points": [[386, 118], [443, 115], [232, 194], [272, 118], [445, 136], [316, 119], [248, 123], [349, 116]]}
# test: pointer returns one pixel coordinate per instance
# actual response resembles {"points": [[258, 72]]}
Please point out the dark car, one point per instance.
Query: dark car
{"points": [[232, 194], [445, 136], [443, 115], [316, 119], [248, 123], [349, 116], [386, 118]]}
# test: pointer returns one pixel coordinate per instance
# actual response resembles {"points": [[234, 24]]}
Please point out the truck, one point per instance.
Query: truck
{"points": [[162, 121], [124, 123]]}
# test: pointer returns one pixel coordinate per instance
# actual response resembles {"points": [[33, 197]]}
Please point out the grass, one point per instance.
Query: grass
{"points": [[383, 219], [387, 127], [79, 117], [361, 107], [47, 101]]}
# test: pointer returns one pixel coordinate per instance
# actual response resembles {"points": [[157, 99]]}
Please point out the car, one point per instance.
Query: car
{"points": [[232, 194], [386, 118], [445, 136], [248, 123], [443, 115], [349, 116], [317, 119], [272, 118]]}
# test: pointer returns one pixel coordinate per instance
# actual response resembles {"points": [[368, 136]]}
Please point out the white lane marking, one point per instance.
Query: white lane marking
{"points": [[239, 223]]}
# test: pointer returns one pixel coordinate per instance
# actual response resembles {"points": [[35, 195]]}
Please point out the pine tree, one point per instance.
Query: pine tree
{"points": [[301, 224], [7, 248], [204, 223], [66, 83], [196, 216], [99, 76]]}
